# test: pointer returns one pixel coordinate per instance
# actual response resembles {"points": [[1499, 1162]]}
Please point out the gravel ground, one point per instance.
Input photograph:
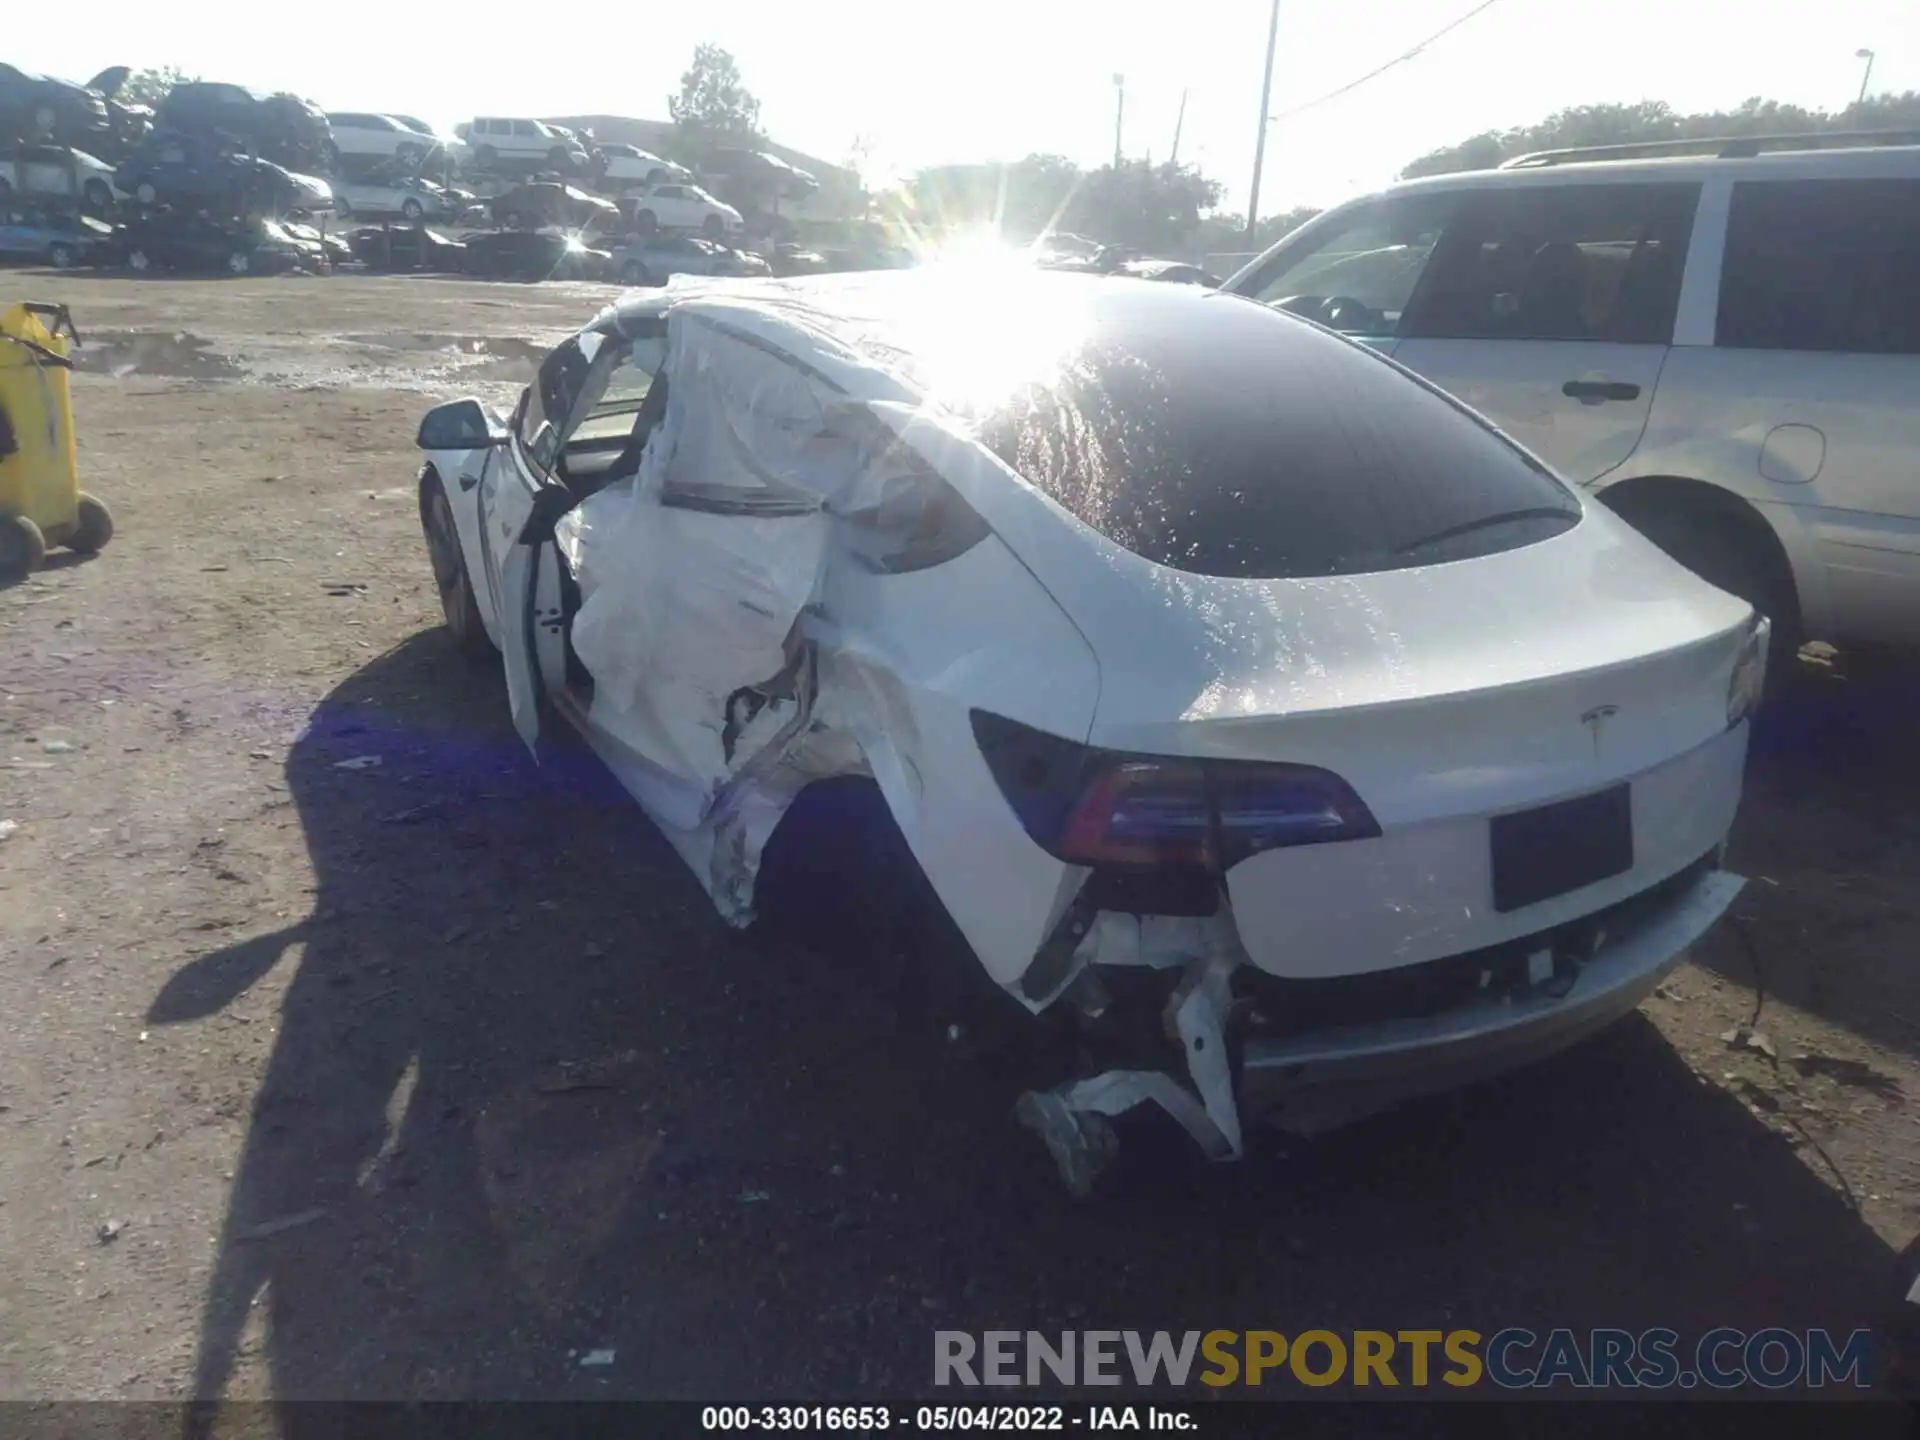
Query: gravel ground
{"points": [[423, 1078]]}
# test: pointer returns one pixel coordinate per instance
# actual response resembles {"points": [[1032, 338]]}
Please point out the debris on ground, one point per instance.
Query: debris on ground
{"points": [[597, 1357], [285, 1222], [414, 815], [57, 747], [1741, 1038], [358, 762], [753, 1197], [110, 1231], [7, 829], [604, 1072]]}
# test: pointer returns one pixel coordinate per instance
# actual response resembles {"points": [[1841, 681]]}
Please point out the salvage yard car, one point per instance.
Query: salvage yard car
{"points": [[57, 172], [407, 196], [60, 239], [656, 259], [680, 207], [167, 241], [546, 202], [1224, 680], [1717, 338]]}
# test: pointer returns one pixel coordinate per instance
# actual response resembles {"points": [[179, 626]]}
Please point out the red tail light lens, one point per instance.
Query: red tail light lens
{"points": [[1139, 812]]}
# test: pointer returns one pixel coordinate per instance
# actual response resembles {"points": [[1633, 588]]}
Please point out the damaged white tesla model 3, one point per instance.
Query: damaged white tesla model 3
{"points": [[1195, 651]]}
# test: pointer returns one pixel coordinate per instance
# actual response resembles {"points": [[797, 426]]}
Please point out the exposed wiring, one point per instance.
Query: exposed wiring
{"points": [[1400, 59]]}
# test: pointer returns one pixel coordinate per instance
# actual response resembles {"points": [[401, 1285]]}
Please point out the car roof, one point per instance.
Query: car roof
{"points": [[903, 326], [1840, 163]]}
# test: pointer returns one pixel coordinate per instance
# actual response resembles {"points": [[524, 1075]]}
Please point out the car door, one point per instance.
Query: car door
{"points": [[1816, 357], [1550, 309]]}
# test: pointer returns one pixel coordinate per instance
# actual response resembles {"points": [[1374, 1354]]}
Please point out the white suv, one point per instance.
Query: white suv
{"points": [[355, 133], [1724, 347], [681, 207], [492, 139]]}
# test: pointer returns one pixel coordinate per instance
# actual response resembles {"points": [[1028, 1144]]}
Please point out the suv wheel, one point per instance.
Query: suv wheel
{"points": [[62, 257], [139, 260], [411, 210], [484, 156], [239, 263], [646, 222], [713, 227]]}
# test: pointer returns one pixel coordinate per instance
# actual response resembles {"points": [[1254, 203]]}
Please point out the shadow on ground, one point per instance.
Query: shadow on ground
{"points": [[544, 1103]]}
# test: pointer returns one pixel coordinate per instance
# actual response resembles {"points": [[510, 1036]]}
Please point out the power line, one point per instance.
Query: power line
{"points": [[1400, 59]]}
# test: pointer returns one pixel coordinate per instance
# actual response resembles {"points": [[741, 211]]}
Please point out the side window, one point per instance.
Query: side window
{"points": [[526, 128], [613, 398], [1822, 265], [547, 402], [1359, 272], [1560, 262]]}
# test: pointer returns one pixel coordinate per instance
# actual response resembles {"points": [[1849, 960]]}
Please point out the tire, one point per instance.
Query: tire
{"points": [[713, 227], [342, 208], [99, 195], [560, 158], [646, 222], [409, 154], [93, 528], [412, 211], [457, 604], [140, 261], [44, 119], [145, 192], [239, 263], [484, 156], [62, 257], [22, 548], [634, 273]]}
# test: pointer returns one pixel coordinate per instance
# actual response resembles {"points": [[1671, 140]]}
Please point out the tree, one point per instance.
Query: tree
{"points": [[714, 108], [150, 87], [1655, 120], [1147, 207]]}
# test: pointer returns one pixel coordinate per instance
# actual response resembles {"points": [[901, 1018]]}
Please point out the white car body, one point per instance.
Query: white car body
{"points": [[973, 646], [517, 139], [58, 177], [682, 207], [1759, 417], [628, 165], [410, 199], [359, 133]]}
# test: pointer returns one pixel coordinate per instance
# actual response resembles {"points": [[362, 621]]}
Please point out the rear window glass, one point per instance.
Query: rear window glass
{"points": [[1220, 438]]}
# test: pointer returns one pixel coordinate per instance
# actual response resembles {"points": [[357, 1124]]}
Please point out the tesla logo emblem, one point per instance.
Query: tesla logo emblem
{"points": [[1595, 720]]}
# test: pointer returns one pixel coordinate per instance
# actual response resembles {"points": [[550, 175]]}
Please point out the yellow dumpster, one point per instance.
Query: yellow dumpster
{"points": [[41, 502]]}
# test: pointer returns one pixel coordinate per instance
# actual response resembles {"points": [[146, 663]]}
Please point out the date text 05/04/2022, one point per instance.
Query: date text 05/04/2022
{"points": [[933, 1418]]}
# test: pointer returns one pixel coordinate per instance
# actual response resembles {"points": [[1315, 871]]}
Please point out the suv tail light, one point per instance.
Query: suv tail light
{"points": [[1133, 813]]}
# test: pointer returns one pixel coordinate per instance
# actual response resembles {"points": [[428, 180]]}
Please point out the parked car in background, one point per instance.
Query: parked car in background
{"points": [[626, 166], [407, 196], [41, 108], [178, 170], [547, 202], [524, 142], [532, 255], [58, 173], [127, 124], [678, 206], [55, 237], [282, 128], [655, 259], [1717, 338], [383, 247], [1171, 272], [791, 258], [357, 132], [191, 242], [324, 244]]}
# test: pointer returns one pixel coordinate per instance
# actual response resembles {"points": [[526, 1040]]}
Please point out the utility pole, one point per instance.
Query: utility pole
{"points": [[1260, 140], [1119, 114], [1179, 120], [1866, 55]]}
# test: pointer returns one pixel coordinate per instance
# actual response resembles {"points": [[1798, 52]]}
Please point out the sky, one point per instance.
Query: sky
{"points": [[926, 82]]}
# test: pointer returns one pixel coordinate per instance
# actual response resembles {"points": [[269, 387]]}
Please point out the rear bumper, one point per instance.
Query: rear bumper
{"points": [[1316, 1081]]}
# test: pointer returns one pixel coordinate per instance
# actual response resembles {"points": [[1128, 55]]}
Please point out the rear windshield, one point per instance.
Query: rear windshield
{"points": [[1218, 437]]}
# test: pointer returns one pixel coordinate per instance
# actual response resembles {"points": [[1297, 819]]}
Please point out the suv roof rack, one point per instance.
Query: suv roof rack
{"points": [[1723, 147]]}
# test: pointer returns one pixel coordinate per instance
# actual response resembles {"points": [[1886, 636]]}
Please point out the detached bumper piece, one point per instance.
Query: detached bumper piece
{"points": [[1312, 1056]]}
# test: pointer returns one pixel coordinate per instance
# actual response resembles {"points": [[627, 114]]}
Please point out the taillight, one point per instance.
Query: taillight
{"points": [[1144, 812]]}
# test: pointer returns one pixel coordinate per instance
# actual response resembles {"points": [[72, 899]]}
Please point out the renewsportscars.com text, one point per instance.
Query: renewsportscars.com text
{"points": [[1512, 1358]]}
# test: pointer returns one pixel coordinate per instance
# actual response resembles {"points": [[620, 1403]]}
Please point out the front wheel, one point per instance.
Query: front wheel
{"points": [[99, 196], [145, 192], [62, 257], [411, 211], [449, 562], [22, 548], [239, 263], [140, 261], [714, 227], [646, 222]]}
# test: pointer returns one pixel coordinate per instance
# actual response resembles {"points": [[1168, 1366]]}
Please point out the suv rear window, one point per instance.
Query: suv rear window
{"points": [[1822, 265], [1215, 436]]}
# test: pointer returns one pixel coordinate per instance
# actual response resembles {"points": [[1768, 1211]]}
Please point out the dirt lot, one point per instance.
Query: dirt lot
{"points": [[424, 1078]]}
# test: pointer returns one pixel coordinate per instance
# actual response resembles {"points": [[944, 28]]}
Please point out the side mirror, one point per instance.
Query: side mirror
{"points": [[459, 425]]}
